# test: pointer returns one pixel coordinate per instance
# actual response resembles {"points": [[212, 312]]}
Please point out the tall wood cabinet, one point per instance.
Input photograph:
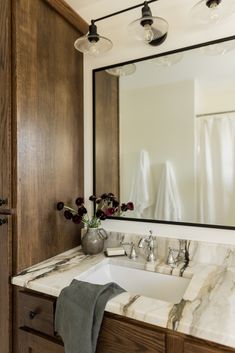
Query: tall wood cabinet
{"points": [[41, 137]]}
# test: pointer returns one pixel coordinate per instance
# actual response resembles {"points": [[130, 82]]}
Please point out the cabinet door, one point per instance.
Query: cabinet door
{"points": [[31, 343], [49, 117], [5, 289], [205, 347], [118, 336], [5, 103]]}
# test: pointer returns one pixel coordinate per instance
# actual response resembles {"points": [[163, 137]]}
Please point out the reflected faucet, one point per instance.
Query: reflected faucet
{"points": [[150, 241]]}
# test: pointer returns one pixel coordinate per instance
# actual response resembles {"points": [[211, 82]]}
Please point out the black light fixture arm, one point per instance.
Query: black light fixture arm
{"points": [[122, 11]]}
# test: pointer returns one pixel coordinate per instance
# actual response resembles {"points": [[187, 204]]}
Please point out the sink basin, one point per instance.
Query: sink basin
{"points": [[149, 284]]}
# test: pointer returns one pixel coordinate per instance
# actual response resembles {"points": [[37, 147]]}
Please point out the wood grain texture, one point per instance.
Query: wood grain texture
{"points": [[69, 14], [5, 288], [42, 310], [34, 343], [106, 134], [49, 131], [118, 336], [202, 346], [5, 102], [174, 344], [5, 176]]}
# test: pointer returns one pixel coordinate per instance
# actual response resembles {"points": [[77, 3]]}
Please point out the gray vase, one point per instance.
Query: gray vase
{"points": [[93, 241]]}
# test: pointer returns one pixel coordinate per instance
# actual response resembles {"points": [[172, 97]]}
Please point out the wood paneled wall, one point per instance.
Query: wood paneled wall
{"points": [[48, 132]]}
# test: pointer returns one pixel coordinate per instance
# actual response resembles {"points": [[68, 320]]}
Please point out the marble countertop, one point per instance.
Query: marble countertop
{"points": [[206, 311]]}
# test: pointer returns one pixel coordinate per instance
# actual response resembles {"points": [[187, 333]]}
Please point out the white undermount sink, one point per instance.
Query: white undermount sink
{"points": [[149, 284]]}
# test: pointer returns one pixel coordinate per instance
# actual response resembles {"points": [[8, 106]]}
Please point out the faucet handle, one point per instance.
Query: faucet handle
{"points": [[171, 258], [151, 257], [133, 255]]}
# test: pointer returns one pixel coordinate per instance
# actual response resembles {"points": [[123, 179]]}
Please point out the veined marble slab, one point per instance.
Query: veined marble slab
{"points": [[206, 311]]}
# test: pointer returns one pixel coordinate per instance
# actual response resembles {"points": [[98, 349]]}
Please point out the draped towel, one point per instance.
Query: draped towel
{"points": [[168, 205], [142, 187]]}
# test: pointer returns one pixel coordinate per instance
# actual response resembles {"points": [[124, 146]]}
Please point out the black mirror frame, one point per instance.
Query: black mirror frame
{"points": [[201, 225]]}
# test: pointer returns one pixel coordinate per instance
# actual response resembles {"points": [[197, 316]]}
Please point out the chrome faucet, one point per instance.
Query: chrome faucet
{"points": [[132, 255], [150, 241], [176, 256]]}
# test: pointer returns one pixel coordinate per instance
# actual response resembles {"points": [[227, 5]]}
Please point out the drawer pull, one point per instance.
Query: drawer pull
{"points": [[32, 314], [3, 221], [3, 202]]}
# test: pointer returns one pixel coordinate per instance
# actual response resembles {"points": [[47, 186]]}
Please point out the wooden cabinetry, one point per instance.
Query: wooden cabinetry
{"points": [[48, 126], [106, 168], [32, 343], [5, 175], [41, 137], [200, 346], [5, 288], [117, 334]]}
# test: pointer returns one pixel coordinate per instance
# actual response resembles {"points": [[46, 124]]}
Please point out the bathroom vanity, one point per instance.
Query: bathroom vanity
{"points": [[118, 333], [201, 321]]}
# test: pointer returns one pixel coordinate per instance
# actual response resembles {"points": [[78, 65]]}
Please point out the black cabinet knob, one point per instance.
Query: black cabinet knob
{"points": [[32, 314], [3, 221], [3, 202]]}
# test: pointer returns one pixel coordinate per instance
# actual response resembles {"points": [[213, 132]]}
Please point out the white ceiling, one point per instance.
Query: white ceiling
{"points": [[182, 30], [174, 11]]}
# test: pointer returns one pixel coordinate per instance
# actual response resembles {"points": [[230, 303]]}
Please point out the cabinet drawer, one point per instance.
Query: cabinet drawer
{"points": [[121, 336], [36, 312]]}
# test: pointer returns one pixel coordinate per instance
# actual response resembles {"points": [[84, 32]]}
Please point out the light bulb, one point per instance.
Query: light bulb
{"points": [[148, 33], [214, 11], [93, 49]]}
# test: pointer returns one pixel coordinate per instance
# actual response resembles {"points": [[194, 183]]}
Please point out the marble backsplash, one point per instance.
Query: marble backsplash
{"points": [[200, 252]]}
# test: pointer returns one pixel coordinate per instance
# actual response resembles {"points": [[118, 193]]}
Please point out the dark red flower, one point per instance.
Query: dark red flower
{"points": [[68, 214], [60, 206], [115, 203], [92, 198], [101, 215], [130, 206], [111, 195], [79, 201], [110, 211], [82, 210], [77, 219], [124, 207], [104, 196]]}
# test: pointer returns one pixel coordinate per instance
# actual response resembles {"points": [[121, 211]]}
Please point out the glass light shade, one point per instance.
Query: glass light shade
{"points": [[124, 70], [212, 12], [219, 48], [93, 45], [149, 33], [168, 60]]}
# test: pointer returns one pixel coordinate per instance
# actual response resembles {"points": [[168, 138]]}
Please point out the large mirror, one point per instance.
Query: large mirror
{"points": [[164, 135]]}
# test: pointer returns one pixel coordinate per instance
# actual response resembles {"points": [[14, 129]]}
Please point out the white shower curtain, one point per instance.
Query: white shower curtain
{"points": [[216, 168]]}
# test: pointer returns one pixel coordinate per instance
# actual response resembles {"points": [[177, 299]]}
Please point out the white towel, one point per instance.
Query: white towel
{"points": [[142, 187], [168, 205]]}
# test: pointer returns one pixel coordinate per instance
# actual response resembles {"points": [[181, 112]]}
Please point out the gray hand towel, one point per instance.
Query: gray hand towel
{"points": [[79, 314]]}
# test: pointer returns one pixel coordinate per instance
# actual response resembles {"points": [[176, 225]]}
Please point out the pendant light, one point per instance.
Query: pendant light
{"points": [[152, 30], [212, 11], [92, 43]]}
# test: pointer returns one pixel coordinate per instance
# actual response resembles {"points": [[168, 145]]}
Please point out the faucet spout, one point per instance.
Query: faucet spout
{"points": [[149, 240]]}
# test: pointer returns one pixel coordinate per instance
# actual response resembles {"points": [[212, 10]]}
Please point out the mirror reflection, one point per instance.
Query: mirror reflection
{"points": [[165, 135]]}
